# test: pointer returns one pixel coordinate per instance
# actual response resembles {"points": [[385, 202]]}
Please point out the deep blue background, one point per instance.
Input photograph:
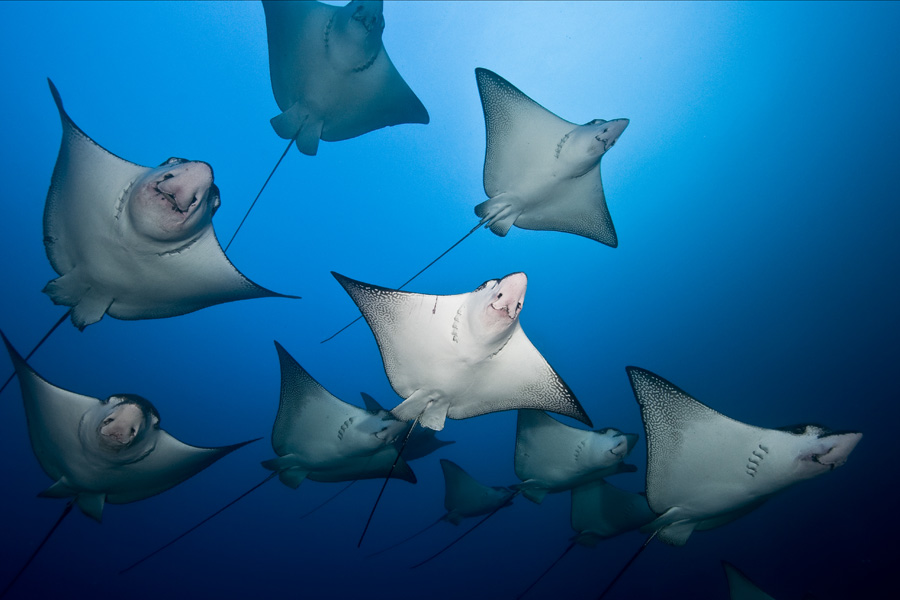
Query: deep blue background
{"points": [[755, 198]]}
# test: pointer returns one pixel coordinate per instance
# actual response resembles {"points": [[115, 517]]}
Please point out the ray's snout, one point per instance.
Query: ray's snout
{"points": [[187, 183], [840, 447], [611, 131], [510, 294]]}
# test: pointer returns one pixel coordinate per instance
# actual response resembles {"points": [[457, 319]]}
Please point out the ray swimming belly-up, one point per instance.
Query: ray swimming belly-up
{"points": [[705, 469], [130, 241], [101, 451], [459, 356]]}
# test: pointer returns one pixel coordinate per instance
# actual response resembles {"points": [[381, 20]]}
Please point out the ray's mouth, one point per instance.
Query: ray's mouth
{"points": [[368, 21], [817, 458], [170, 198], [512, 314], [607, 144], [385, 435]]}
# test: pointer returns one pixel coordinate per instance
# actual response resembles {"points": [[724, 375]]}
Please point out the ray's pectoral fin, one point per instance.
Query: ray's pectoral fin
{"points": [[297, 123], [60, 489], [88, 306], [90, 503], [532, 489], [431, 411], [499, 213], [672, 527], [288, 473], [403, 471]]}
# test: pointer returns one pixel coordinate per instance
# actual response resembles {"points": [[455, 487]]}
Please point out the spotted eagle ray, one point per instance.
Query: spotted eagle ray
{"points": [[331, 75], [541, 172], [459, 356], [705, 470], [130, 241], [421, 443], [552, 457], [101, 451], [462, 355]]}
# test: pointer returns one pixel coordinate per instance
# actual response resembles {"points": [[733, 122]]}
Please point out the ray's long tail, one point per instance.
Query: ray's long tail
{"points": [[467, 532], [547, 570], [252, 204], [327, 500], [386, 479], [628, 564], [166, 545], [406, 539]]}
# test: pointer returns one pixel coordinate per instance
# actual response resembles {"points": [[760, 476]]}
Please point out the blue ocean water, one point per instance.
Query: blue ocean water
{"points": [[753, 193]]}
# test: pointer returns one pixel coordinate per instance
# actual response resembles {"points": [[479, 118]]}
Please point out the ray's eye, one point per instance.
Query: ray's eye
{"points": [[500, 295], [107, 420], [168, 176]]}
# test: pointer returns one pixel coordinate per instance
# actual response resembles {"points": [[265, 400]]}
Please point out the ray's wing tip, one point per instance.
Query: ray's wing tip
{"points": [[57, 98], [13, 353], [482, 73], [634, 372], [640, 379], [346, 283], [55, 92], [587, 421], [233, 447]]}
